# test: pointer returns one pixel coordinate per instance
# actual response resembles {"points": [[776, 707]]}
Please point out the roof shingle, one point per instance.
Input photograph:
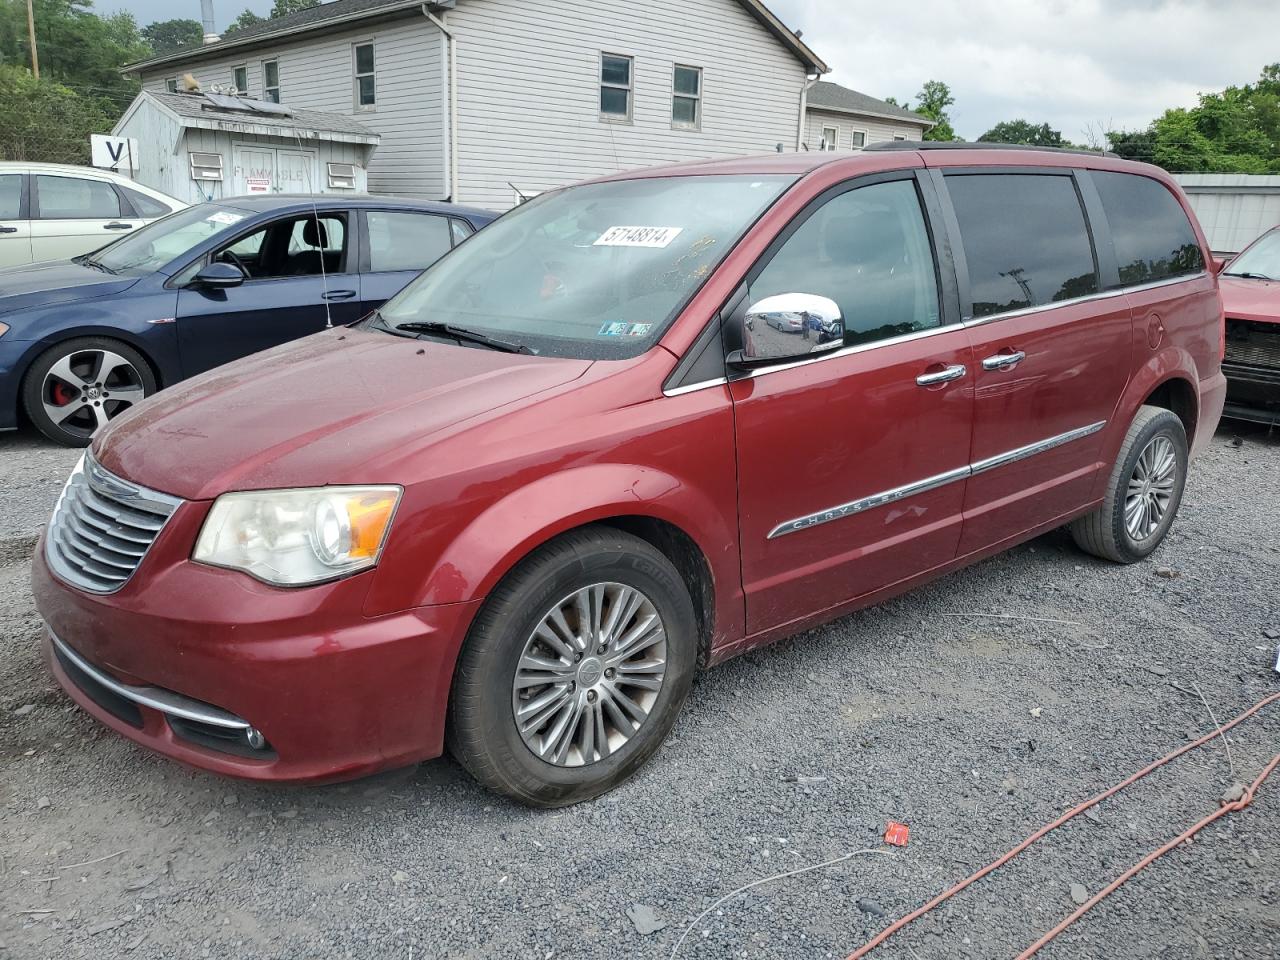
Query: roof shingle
{"points": [[825, 95]]}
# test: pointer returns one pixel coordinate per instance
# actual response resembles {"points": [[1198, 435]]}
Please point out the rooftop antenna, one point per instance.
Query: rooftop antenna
{"points": [[206, 14]]}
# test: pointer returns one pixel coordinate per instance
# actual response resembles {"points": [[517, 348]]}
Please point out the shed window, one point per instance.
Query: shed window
{"points": [[240, 78], [686, 97], [830, 137], [366, 93], [858, 139], [615, 86], [271, 80], [206, 166], [342, 176]]}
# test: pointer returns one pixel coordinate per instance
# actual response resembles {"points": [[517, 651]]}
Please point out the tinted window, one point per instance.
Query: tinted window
{"points": [[406, 241], [10, 196], [868, 250], [1025, 240], [147, 207], [70, 198], [1152, 235]]}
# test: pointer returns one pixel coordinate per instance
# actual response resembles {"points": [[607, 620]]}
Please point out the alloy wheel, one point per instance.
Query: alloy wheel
{"points": [[1151, 488], [589, 674], [85, 389]]}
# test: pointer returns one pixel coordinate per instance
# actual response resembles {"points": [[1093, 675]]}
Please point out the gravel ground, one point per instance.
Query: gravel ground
{"points": [[973, 730]]}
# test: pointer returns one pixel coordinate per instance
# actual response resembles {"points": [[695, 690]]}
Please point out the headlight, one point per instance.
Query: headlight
{"points": [[298, 537]]}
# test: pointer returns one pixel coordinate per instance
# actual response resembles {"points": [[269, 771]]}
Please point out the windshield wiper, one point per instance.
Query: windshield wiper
{"points": [[88, 261], [1249, 276], [457, 333]]}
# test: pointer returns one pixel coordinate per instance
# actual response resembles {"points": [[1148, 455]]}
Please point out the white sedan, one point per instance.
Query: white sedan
{"points": [[51, 211]]}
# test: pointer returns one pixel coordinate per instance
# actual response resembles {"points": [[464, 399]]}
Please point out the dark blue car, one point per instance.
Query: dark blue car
{"points": [[83, 340]]}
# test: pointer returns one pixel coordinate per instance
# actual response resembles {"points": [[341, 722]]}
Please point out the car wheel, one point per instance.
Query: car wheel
{"points": [[74, 388], [574, 670], [1144, 492]]}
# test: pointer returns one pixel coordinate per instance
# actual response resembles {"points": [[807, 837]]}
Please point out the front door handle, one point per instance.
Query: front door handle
{"points": [[8, 229], [953, 372], [117, 225], [1004, 361], [338, 294]]}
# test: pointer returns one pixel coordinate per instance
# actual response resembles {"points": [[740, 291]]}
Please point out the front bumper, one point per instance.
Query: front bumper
{"points": [[186, 658]]}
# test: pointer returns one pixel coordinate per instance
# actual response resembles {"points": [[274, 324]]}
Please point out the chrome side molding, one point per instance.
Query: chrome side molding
{"points": [[1031, 449]]}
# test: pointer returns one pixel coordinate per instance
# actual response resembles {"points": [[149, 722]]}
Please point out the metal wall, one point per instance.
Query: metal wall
{"points": [[1233, 208]]}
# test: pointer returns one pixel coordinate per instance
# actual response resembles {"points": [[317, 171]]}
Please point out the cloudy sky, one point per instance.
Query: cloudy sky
{"points": [[1080, 65]]}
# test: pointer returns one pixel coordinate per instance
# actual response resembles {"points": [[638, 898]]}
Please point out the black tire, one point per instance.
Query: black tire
{"points": [[1103, 532], [482, 734], [87, 413]]}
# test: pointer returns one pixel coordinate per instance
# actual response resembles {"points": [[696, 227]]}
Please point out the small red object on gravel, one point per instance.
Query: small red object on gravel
{"points": [[897, 834]]}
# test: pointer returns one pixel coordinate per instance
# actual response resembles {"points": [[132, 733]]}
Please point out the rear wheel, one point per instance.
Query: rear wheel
{"points": [[74, 388], [1144, 492], [575, 669]]}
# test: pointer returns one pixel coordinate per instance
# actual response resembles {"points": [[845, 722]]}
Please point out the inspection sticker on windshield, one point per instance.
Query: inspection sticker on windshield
{"points": [[224, 218], [638, 236]]}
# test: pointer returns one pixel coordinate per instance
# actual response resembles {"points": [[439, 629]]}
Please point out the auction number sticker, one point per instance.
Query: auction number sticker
{"points": [[638, 236], [224, 218]]}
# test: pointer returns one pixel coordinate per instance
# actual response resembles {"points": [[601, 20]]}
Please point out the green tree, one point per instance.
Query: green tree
{"points": [[932, 102], [282, 8], [246, 19], [44, 121], [1023, 131], [170, 36]]}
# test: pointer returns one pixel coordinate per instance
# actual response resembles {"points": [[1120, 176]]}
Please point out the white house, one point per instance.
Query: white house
{"points": [[837, 118], [489, 101]]}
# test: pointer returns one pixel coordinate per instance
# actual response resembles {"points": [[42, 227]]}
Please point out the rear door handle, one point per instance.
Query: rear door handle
{"points": [[117, 225], [338, 295], [1003, 361], [953, 372]]}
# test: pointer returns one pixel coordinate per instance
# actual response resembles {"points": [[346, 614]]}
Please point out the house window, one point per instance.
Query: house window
{"points": [[899, 138], [271, 80], [366, 92], [171, 84], [858, 139], [830, 137], [686, 97], [615, 87], [240, 78]]}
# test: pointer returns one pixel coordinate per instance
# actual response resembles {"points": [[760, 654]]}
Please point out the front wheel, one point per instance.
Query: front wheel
{"points": [[575, 669], [73, 388], [1144, 492]]}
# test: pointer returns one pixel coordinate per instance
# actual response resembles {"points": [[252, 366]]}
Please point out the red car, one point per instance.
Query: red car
{"points": [[518, 508], [1251, 297]]}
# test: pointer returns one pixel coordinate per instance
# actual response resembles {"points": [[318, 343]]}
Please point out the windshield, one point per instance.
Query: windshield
{"points": [[1260, 260], [156, 244], [594, 272]]}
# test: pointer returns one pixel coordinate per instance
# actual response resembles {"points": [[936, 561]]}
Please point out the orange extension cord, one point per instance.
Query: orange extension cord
{"points": [[1146, 861]]}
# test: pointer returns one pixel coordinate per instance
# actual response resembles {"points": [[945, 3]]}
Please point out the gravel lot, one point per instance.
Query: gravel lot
{"points": [[918, 710]]}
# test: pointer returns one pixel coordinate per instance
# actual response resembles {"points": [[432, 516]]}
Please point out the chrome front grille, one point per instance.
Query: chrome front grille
{"points": [[102, 527], [1252, 344]]}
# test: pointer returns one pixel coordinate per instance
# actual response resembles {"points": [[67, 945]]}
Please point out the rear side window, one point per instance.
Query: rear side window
{"points": [[1152, 235], [70, 198], [10, 196], [406, 241], [1025, 240]]}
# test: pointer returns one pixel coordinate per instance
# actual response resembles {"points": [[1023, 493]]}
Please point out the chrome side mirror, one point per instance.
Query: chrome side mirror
{"points": [[788, 326]]}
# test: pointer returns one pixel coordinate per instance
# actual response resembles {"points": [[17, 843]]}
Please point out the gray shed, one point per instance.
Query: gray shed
{"points": [[204, 146]]}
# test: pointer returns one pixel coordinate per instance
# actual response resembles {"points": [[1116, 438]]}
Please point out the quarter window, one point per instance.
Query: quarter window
{"points": [[70, 198], [830, 137], [869, 251], [686, 97], [1025, 240], [1152, 235], [366, 93], [406, 241], [240, 78], [615, 86], [271, 80]]}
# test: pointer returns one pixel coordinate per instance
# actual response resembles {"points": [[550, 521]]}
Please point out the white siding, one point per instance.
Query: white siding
{"points": [[878, 129], [1233, 208], [317, 73], [528, 89]]}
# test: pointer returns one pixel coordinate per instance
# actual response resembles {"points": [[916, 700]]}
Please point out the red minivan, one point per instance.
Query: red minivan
{"points": [[633, 428]]}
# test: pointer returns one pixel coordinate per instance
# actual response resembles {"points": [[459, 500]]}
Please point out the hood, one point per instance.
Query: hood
{"points": [[1250, 299], [331, 408], [58, 281]]}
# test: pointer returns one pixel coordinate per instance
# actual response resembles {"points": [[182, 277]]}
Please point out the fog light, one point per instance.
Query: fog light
{"points": [[255, 738]]}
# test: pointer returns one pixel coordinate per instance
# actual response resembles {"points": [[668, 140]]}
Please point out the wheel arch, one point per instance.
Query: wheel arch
{"points": [[64, 335]]}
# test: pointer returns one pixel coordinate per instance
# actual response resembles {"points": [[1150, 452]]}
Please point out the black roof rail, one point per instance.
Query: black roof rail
{"points": [[982, 145]]}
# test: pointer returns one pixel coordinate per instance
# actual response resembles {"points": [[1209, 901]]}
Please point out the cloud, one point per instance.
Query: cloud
{"points": [[1076, 65]]}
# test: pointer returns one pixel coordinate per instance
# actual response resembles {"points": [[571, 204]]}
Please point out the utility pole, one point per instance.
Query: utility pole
{"points": [[31, 31]]}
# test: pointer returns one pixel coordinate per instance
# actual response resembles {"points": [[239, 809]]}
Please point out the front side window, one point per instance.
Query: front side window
{"points": [[240, 78], [10, 196], [405, 241], [366, 90], [70, 198], [1025, 240], [686, 97], [148, 249], [868, 250], [830, 137], [271, 81], [146, 207], [615, 87], [1152, 235], [301, 246], [596, 271], [1260, 261]]}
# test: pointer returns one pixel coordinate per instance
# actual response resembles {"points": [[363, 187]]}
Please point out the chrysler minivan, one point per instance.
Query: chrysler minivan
{"points": [[633, 428]]}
